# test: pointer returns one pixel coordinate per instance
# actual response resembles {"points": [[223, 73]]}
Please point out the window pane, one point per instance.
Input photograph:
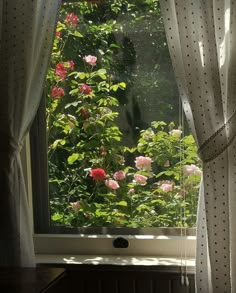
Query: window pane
{"points": [[118, 155]]}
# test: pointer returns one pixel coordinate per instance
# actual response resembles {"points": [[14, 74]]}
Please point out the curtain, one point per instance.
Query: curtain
{"points": [[26, 35], [201, 37]]}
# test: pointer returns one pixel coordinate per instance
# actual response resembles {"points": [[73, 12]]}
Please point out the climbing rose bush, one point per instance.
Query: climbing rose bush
{"points": [[95, 179]]}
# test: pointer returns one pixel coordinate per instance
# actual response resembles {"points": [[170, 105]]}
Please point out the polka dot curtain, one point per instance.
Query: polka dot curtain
{"points": [[202, 42], [27, 28]]}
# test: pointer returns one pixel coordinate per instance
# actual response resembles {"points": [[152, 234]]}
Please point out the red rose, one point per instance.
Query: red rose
{"points": [[98, 174], [72, 19], [57, 92], [85, 89], [61, 70], [84, 113]]}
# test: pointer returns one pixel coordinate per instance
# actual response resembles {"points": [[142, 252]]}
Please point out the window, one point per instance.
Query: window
{"points": [[111, 154]]}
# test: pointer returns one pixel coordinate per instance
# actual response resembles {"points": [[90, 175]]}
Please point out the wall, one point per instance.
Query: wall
{"points": [[122, 279]]}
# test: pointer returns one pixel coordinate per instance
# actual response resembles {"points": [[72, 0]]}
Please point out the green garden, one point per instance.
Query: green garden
{"points": [[118, 155]]}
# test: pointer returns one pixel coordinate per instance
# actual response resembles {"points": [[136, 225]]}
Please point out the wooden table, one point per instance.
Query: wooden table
{"points": [[29, 280]]}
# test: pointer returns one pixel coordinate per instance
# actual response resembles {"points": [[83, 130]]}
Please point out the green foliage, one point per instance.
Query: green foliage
{"points": [[83, 107]]}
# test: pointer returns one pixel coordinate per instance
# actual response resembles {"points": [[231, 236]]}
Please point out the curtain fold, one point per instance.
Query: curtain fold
{"points": [[201, 37], [26, 35]]}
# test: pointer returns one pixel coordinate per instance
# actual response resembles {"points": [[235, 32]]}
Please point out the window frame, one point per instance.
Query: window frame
{"points": [[143, 242]]}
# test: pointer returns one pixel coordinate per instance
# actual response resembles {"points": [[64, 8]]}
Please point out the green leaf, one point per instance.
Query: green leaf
{"points": [[74, 157], [102, 73], [76, 34], [130, 150], [58, 141], [81, 75], [157, 124], [122, 203], [57, 217], [122, 85], [115, 87], [74, 104]]}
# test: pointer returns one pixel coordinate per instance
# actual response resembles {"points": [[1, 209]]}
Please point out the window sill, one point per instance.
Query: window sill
{"points": [[68, 259], [146, 251]]}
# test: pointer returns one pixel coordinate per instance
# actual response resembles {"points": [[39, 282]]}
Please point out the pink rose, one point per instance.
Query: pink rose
{"points": [[72, 19], [143, 163], [166, 187], [90, 59], [76, 205], [71, 65], [176, 132], [191, 170], [84, 88], [57, 92], [140, 179], [132, 190], [112, 184], [119, 175], [58, 34]]}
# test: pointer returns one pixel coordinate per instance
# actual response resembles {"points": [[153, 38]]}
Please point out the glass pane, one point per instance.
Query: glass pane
{"points": [[118, 155]]}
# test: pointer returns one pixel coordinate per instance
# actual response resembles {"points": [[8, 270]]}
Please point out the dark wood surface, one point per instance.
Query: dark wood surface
{"points": [[29, 280], [122, 279]]}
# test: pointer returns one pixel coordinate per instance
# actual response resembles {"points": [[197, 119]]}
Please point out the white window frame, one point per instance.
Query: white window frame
{"points": [[159, 245]]}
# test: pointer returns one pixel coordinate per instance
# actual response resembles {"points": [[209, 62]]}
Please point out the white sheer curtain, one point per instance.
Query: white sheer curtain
{"points": [[26, 35], [202, 42]]}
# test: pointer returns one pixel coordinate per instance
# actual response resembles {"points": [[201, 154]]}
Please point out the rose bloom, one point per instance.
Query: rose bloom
{"points": [[84, 113], [176, 132], [191, 170], [76, 205], [61, 70], [72, 19], [98, 174], [84, 88], [57, 92], [166, 187], [119, 175], [140, 179], [112, 184], [71, 64], [143, 163], [58, 34], [90, 59], [131, 190]]}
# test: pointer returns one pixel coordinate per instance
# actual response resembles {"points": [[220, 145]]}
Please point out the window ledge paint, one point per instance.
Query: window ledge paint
{"points": [[69, 259], [139, 245]]}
